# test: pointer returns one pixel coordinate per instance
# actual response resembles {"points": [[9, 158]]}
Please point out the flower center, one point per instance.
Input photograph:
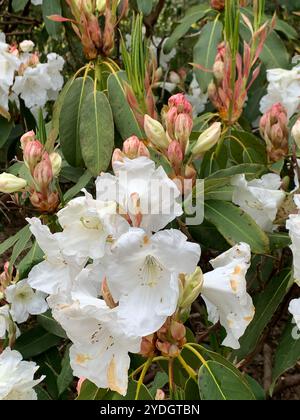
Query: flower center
{"points": [[91, 223], [150, 272]]}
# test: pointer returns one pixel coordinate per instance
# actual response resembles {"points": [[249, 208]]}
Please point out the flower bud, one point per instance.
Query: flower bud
{"points": [[118, 156], [218, 70], [178, 330], [182, 105], [208, 139], [43, 174], [56, 162], [217, 4], [10, 183], [33, 153], [148, 346], [192, 286], [296, 132], [175, 155], [275, 132], [170, 118], [26, 46], [160, 395], [155, 133], [134, 148], [183, 130], [101, 6], [26, 138], [47, 202]]}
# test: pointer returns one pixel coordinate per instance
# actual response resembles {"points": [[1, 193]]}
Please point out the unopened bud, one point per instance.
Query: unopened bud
{"points": [[134, 148], [10, 183], [43, 174], [33, 153], [296, 132], [182, 105], [175, 155], [191, 288], [160, 395], [56, 162], [26, 138], [174, 77], [26, 46], [218, 70], [155, 133], [208, 139], [178, 330], [183, 130], [148, 346]]}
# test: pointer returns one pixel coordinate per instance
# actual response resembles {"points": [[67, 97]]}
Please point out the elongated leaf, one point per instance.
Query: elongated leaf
{"points": [[20, 245], [65, 377], [250, 170], [205, 51], [266, 305], [9, 242], [69, 120], [35, 342], [96, 132], [82, 182], [241, 142], [236, 226], [145, 6], [279, 240], [217, 382], [274, 54], [52, 7], [288, 351], [198, 12], [90, 392], [34, 256], [5, 130], [124, 118], [49, 324], [19, 5]]}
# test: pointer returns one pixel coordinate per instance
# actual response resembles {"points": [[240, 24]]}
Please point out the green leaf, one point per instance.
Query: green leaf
{"points": [[65, 377], [90, 392], [82, 182], [251, 171], [52, 7], [96, 132], [160, 380], [19, 5], [236, 226], [42, 395], [241, 141], [279, 240], [145, 6], [20, 245], [274, 53], [5, 130], [208, 236], [191, 391], [34, 256], [287, 353], [124, 118], [205, 51], [218, 382], [69, 120], [10, 242], [256, 388], [266, 304], [195, 14], [35, 341], [49, 324], [144, 394], [286, 29]]}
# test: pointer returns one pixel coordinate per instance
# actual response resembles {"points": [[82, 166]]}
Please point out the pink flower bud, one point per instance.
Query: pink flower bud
{"points": [[43, 173], [275, 132], [182, 105], [134, 148], [296, 132], [26, 138], [170, 120], [178, 330], [118, 156], [183, 130], [33, 153], [175, 155]]}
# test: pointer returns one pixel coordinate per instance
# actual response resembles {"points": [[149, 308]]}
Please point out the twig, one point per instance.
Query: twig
{"points": [[267, 367]]}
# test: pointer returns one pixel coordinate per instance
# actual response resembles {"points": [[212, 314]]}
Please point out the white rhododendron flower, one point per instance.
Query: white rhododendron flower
{"points": [[9, 64], [26, 46], [142, 275], [100, 349], [225, 293], [260, 198], [284, 87], [2, 38], [24, 301], [294, 309], [164, 59], [37, 2], [293, 225], [147, 194], [57, 272], [89, 227], [17, 377], [196, 97], [54, 67]]}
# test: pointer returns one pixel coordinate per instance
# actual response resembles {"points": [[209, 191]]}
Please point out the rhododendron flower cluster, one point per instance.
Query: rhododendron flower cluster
{"points": [[116, 276], [22, 75]]}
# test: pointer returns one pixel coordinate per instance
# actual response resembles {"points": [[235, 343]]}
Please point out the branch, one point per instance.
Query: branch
{"points": [[151, 20]]}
